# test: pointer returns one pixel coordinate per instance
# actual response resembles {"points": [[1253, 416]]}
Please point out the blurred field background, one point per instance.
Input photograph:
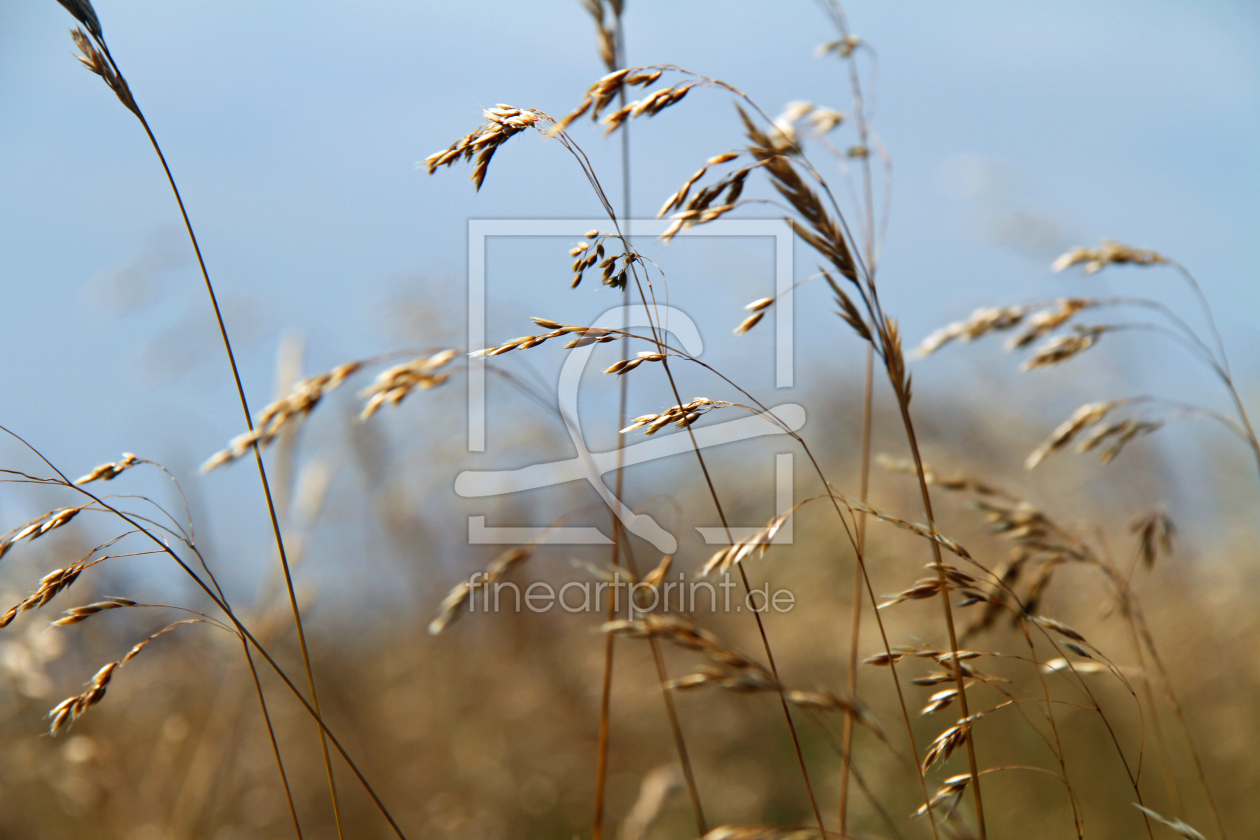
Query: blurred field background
{"points": [[1016, 132]]}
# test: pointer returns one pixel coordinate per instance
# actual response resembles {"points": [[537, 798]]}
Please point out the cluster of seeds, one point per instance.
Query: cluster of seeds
{"points": [[680, 415], [585, 336], [49, 586], [913, 527], [69, 710], [956, 580], [949, 741], [730, 669], [626, 365], [76, 614], [107, 472], [1109, 253], [275, 417], [601, 94], [502, 123], [1063, 347], [587, 253], [991, 319], [758, 309], [93, 60], [457, 599], [708, 203], [821, 121], [38, 526], [723, 560], [1115, 435], [393, 385]]}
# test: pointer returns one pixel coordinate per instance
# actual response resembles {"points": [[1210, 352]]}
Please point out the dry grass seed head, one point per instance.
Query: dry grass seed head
{"points": [[274, 418], [1054, 666], [606, 34], [392, 386], [1155, 532], [37, 527], [1085, 416], [502, 123], [1047, 320], [93, 60], [457, 599], [681, 416], [76, 614], [49, 586], [957, 483], [1178, 826], [1109, 253], [913, 527], [1062, 348], [683, 633], [69, 710], [109, 471], [980, 323], [84, 14], [949, 741], [948, 795], [723, 560], [820, 230], [1117, 435], [1059, 627]]}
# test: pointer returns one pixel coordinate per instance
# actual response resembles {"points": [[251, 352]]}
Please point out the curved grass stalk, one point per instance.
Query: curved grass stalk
{"points": [[117, 81], [615, 56], [209, 590]]}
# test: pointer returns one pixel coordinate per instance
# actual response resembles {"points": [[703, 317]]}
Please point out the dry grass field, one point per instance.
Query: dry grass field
{"points": [[989, 620]]}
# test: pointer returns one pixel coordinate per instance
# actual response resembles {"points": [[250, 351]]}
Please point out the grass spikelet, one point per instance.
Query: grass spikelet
{"points": [[457, 599], [1054, 666], [76, 614], [949, 741], [110, 471], [723, 560], [980, 323], [1085, 416], [649, 106], [606, 36], [1047, 320], [84, 14], [749, 322], [948, 795], [681, 416], [1116, 436], [72, 708], [913, 527], [1109, 253], [686, 635], [94, 60], [49, 586], [1059, 627], [392, 386], [820, 229], [1155, 533], [503, 122], [37, 527], [1060, 349], [1178, 826], [273, 419]]}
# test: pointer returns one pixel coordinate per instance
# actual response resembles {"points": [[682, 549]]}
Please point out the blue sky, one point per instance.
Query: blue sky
{"points": [[294, 130]]}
